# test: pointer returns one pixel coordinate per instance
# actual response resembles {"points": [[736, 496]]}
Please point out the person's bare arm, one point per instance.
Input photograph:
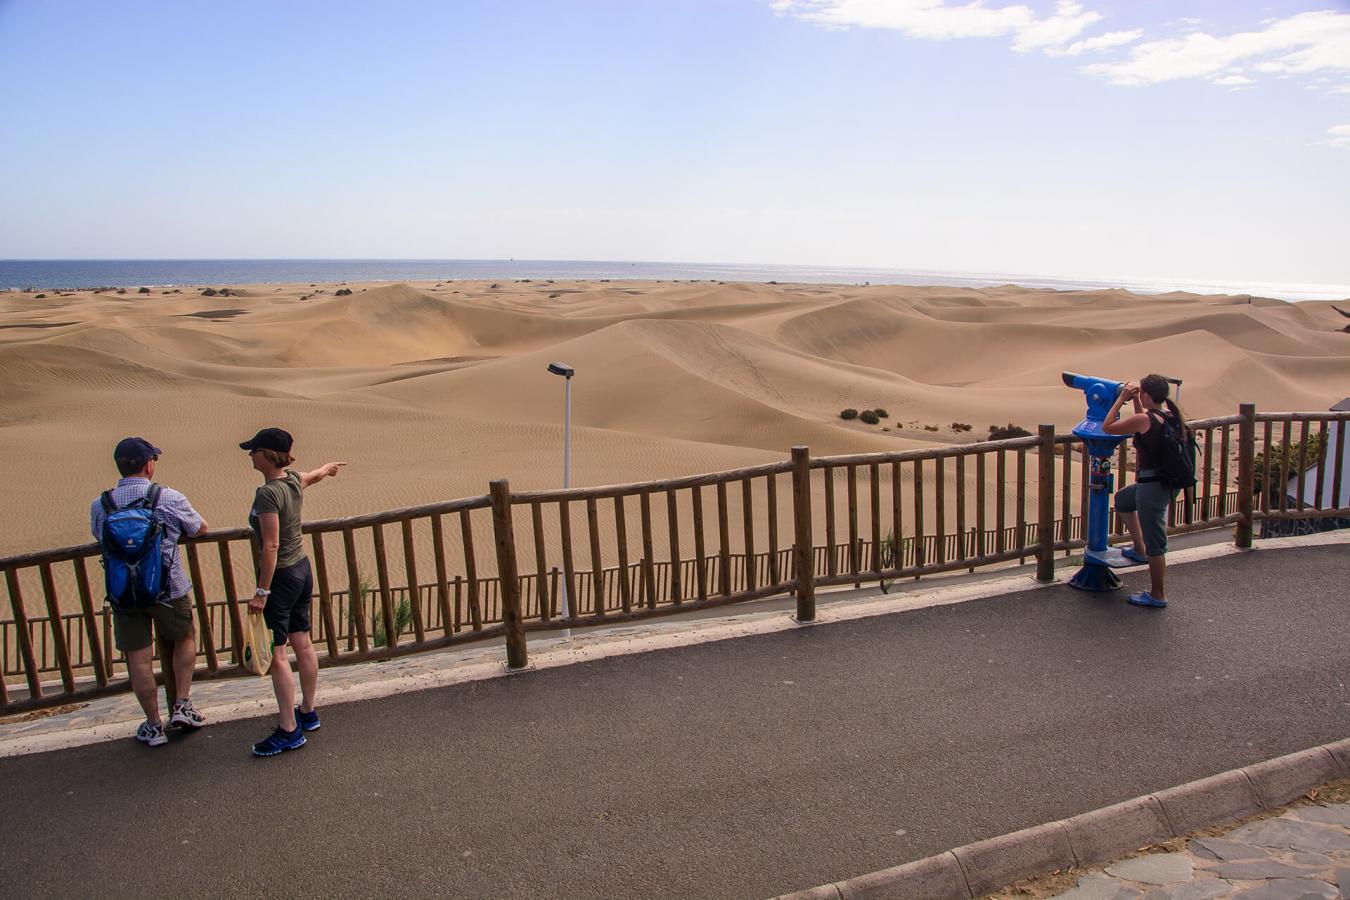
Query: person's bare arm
{"points": [[327, 470], [1134, 424], [269, 523]]}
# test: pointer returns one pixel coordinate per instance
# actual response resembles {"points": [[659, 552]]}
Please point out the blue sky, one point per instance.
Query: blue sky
{"points": [[1151, 138]]}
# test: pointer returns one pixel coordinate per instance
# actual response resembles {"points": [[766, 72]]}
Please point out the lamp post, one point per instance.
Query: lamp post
{"points": [[566, 372]]}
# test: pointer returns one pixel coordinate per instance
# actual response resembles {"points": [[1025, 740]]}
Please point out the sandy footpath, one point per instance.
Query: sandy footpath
{"points": [[431, 389]]}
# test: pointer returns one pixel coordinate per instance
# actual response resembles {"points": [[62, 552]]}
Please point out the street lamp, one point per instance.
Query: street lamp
{"points": [[566, 372]]}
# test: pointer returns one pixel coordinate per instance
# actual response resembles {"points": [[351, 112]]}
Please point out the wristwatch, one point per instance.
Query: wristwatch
{"points": [[261, 593]]}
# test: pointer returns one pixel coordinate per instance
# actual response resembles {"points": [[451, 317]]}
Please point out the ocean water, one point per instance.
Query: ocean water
{"points": [[17, 274]]}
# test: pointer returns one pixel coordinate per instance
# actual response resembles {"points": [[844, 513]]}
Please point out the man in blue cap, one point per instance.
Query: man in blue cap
{"points": [[171, 617]]}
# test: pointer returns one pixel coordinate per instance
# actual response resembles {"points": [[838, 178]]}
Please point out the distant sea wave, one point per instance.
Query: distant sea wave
{"points": [[75, 273]]}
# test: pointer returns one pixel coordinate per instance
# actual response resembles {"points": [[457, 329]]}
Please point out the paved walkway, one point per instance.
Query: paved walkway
{"points": [[111, 718], [1303, 854], [788, 757]]}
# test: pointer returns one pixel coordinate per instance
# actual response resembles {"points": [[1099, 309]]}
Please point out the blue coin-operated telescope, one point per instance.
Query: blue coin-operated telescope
{"points": [[1099, 560]]}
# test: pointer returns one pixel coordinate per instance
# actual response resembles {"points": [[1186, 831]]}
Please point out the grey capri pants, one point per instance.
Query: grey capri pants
{"points": [[1151, 499]]}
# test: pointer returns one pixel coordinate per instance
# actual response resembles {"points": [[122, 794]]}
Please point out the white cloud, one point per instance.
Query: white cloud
{"points": [[931, 19], [1233, 80], [938, 20], [1308, 42], [1340, 89], [1069, 21], [1340, 136], [1098, 43]]}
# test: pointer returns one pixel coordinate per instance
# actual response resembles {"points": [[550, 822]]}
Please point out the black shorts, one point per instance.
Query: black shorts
{"points": [[287, 609]]}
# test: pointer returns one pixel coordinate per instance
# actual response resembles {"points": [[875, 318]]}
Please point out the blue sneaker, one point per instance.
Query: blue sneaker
{"points": [[1133, 555], [1144, 598], [280, 741], [309, 721]]}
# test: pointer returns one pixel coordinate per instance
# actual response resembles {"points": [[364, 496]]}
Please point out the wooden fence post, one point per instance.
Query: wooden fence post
{"points": [[802, 550], [1045, 517], [1242, 532], [516, 654]]}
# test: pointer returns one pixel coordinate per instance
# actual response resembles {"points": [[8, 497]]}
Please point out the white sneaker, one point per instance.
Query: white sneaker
{"points": [[151, 734], [186, 715]]}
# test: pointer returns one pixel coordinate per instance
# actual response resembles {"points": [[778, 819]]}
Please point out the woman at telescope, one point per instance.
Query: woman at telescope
{"points": [[1143, 505]]}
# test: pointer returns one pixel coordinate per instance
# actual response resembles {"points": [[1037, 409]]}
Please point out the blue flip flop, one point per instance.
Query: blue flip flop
{"points": [[1144, 598], [1130, 554]]}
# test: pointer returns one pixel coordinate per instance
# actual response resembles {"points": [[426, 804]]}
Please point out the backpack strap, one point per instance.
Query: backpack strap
{"points": [[109, 507], [152, 496]]}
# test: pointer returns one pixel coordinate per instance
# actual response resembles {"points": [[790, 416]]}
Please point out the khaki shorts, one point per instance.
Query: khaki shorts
{"points": [[172, 622]]}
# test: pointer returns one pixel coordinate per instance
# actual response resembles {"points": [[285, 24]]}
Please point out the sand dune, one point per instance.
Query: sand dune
{"points": [[430, 390]]}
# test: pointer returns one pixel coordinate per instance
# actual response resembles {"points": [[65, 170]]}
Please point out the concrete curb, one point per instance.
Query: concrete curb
{"points": [[1098, 836]]}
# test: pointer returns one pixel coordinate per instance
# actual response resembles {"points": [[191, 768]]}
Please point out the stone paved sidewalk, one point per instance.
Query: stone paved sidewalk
{"points": [[1303, 854]]}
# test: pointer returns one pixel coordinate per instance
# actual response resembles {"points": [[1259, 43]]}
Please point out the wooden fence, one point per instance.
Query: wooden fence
{"points": [[509, 562]]}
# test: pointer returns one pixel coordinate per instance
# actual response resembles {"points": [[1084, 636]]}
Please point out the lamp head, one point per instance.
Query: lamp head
{"points": [[562, 369]]}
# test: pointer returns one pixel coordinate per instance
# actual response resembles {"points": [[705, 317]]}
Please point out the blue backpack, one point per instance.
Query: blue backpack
{"points": [[133, 563]]}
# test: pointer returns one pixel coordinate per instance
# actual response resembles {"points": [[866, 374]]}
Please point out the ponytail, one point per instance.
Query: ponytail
{"points": [[1176, 411]]}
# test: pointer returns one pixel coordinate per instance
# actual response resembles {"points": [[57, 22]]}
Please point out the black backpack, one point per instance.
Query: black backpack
{"points": [[1176, 450]]}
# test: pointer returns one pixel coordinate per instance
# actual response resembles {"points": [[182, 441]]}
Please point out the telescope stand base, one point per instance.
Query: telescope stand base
{"points": [[1093, 577]]}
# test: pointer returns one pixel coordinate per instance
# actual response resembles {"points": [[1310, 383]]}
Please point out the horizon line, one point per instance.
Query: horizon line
{"points": [[1103, 279]]}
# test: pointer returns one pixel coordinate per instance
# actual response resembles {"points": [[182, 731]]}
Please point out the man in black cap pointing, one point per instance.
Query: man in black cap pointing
{"points": [[164, 514]]}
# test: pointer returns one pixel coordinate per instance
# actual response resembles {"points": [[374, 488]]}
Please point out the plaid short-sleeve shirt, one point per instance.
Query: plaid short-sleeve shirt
{"points": [[174, 513]]}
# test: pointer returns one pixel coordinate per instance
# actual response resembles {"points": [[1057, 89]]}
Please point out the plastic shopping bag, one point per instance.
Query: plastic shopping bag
{"points": [[257, 644]]}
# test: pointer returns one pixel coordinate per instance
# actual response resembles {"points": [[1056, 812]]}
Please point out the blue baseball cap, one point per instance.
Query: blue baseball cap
{"points": [[135, 451]]}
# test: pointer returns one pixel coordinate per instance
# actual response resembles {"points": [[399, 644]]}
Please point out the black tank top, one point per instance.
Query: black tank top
{"points": [[1147, 444]]}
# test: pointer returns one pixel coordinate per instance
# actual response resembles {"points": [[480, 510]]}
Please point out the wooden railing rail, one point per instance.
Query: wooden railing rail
{"points": [[586, 556]]}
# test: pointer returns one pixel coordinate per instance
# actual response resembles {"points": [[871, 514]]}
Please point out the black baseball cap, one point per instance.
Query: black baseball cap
{"points": [[269, 439], [135, 451]]}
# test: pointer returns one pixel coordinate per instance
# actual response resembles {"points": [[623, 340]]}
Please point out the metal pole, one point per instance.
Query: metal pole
{"points": [[566, 609], [567, 435]]}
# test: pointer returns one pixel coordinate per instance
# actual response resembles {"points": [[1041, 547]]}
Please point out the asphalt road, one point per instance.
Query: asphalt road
{"points": [[743, 768]]}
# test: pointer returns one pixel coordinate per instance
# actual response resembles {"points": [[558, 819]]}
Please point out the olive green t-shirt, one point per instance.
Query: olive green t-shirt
{"points": [[284, 497]]}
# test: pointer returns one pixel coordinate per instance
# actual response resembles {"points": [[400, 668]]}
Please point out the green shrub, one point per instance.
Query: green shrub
{"points": [[961, 426], [209, 292], [1280, 456], [849, 413], [869, 417], [1003, 433], [143, 291], [881, 413], [402, 618], [378, 634], [40, 297], [892, 555]]}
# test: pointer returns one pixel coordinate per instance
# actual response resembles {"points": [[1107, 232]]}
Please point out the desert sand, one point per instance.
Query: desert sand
{"points": [[431, 389]]}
